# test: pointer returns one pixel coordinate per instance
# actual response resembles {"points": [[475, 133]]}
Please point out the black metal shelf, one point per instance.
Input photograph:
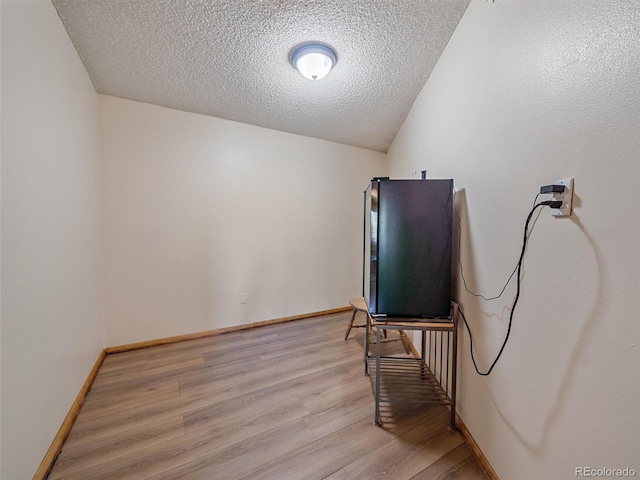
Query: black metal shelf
{"points": [[406, 380], [430, 379]]}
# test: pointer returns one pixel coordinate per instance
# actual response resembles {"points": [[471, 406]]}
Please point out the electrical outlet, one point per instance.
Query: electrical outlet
{"points": [[565, 197], [243, 298]]}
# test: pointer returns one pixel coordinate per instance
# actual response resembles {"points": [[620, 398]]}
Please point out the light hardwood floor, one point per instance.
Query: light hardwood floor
{"points": [[285, 401]]}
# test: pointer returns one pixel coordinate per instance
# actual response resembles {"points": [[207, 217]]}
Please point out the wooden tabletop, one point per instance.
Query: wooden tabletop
{"points": [[361, 305], [417, 324]]}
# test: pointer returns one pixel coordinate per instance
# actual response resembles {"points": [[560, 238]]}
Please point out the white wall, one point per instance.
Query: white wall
{"points": [[197, 210], [526, 93], [52, 317]]}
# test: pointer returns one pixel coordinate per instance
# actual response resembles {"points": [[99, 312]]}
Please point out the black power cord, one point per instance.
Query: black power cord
{"points": [[464, 280], [518, 269]]}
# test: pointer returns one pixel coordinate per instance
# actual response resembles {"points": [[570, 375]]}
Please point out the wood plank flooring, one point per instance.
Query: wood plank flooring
{"points": [[284, 401]]}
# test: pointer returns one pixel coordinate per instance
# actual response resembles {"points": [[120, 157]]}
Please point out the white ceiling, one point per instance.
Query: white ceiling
{"points": [[230, 59]]}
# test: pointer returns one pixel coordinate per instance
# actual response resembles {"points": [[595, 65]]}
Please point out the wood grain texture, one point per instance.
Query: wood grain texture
{"points": [[219, 331], [458, 463], [407, 455], [475, 450], [286, 401], [58, 442], [339, 475], [430, 325]]}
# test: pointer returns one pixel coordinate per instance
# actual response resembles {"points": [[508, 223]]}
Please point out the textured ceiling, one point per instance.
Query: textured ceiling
{"points": [[230, 59]]}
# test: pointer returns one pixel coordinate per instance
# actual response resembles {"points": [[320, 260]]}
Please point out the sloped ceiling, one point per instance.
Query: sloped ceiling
{"points": [[230, 59]]}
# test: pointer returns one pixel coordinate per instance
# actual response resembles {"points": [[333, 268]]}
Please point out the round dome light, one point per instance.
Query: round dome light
{"points": [[313, 61]]}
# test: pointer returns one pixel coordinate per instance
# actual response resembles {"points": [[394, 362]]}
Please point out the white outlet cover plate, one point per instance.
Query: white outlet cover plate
{"points": [[566, 198]]}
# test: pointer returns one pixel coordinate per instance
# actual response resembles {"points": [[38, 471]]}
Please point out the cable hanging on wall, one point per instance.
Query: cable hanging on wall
{"points": [[517, 270]]}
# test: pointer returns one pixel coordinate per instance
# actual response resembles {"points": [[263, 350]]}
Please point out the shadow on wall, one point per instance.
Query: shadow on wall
{"points": [[584, 335], [458, 277], [462, 279]]}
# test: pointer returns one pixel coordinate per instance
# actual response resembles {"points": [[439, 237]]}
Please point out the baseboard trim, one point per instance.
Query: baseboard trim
{"points": [[475, 449], [58, 441], [219, 331], [464, 431]]}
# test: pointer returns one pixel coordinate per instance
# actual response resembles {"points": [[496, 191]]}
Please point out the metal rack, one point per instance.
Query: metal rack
{"points": [[429, 379]]}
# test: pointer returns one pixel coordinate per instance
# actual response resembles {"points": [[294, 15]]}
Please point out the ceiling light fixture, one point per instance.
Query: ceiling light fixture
{"points": [[313, 60]]}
